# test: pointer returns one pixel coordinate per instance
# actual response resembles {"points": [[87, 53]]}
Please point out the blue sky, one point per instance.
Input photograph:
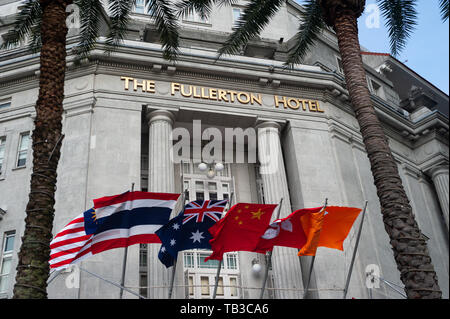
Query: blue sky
{"points": [[427, 51]]}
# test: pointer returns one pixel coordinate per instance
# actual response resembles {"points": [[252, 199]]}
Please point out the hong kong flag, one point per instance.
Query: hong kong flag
{"points": [[240, 229], [287, 232]]}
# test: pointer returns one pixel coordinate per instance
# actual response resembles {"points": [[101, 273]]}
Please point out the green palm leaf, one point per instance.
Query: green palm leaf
{"points": [[187, 7], [401, 19], [256, 16], [308, 31], [90, 13], [27, 22], [119, 11], [443, 5], [202, 7], [167, 26]]}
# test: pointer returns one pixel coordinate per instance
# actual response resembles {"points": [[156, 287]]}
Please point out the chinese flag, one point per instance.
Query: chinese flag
{"points": [[327, 228], [240, 229], [287, 232]]}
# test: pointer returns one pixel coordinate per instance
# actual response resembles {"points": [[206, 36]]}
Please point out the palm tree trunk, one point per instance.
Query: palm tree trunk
{"points": [[408, 244], [33, 267]]}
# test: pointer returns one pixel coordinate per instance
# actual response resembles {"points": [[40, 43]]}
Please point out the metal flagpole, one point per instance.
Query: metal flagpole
{"points": [[174, 267], [172, 279], [313, 259], [219, 267], [124, 264], [56, 272], [354, 252], [269, 257]]}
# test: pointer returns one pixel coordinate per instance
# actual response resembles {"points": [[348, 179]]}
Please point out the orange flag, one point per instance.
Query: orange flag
{"points": [[327, 228]]}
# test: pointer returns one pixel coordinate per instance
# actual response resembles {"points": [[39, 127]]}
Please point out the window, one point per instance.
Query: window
{"points": [[340, 66], [6, 261], [201, 276], [139, 6], [23, 149], [236, 15], [4, 104], [219, 291], [375, 88], [191, 285], [188, 260], [233, 286], [231, 261], [204, 282], [212, 189], [143, 252], [186, 188], [2, 152], [195, 17], [209, 264], [143, 284]]}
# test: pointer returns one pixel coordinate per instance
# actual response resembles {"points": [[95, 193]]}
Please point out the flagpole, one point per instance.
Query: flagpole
{"points": [[124, 263], [219, 267], [313, 259], [269, 257], [174, 267], [354, 252]]}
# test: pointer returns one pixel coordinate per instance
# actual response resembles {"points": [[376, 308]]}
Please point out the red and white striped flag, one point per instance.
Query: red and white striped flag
{"points": [[115, 221], [71, 244]]}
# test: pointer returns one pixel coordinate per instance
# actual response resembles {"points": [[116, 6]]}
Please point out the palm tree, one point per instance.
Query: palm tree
{"points": [[409, 246], [43, 22], [443, 6]]}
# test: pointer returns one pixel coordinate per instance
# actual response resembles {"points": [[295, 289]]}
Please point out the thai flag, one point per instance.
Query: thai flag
{"points": [[115, 221], [129, 218]]}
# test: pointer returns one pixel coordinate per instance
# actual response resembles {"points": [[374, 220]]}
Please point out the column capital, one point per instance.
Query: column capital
{"points": [[438, 170], [269, 123], [160, 115]]}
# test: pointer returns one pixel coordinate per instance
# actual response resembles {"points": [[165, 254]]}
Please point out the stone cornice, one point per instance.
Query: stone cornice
{"points": [[144, 58]]}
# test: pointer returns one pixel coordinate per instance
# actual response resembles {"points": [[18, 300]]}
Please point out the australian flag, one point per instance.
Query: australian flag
{"points": [[189, 229]]}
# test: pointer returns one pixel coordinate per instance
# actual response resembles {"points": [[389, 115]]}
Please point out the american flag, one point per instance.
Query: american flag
{"points": [[200, 209], [71, 244]]}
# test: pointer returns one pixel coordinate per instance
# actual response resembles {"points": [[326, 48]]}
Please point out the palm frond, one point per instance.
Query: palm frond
{"points": [[26, 20], [255, 17], [166, 24], [201, 7], [187, 7], [308, 31], [443, 5], [35, 42], [401, 19], [90, 13], [119, 11]]}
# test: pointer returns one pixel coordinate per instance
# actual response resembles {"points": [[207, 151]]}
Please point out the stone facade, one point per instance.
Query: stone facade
{"points": [[116, 136]]}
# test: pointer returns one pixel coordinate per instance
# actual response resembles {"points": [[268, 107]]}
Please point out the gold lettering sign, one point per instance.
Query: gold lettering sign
{"points": [[230, 96]]}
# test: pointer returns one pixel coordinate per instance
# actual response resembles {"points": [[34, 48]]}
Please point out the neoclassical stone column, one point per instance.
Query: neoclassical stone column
{"points": [[439, 175], [285, 263], [160, 179]]}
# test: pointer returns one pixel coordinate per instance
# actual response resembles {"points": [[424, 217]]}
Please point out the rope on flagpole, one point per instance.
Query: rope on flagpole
{"points": [[269, 257], [219, 267], [124, 263], [358, 237], [313, 258], [183, 200], [113, 283]]}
